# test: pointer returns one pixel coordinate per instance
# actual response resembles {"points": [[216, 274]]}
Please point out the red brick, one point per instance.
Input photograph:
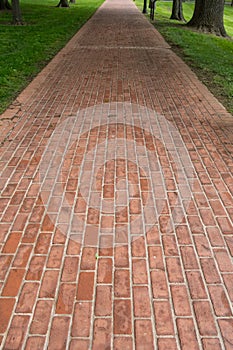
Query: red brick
{"points": [[144, 335], [104, 274], [17, 332], [159, 284], [13, 282], [122, 317], [22, 256], [36, 268], [156, 257], [141, 302], [138, 247], [187, 334], [228, 281], [211, 344], [125, 343], [169, 244], [12, 243], [163, 318], [74, 245], [5, 261], [43, 242], [202, 246], [196, 285], [49, 284], [27, 297], [6, 308], [226, 327], [82, 319], [79, 344], [152, 235], [183, 234], [55, 257], [174, 270], [167, 343], [59, 333], [205, 318], [30, 234], [210, 271], [219, 300], [65, 298], [103, 303], [181, 300], [70, 269], [41, 317], [35, 343], [189, 258], [139, 271], [223, 260], [85, 286], [88, 261], [122, 283], [106, 245], [121, 256], [102, 334], [225, 225]]}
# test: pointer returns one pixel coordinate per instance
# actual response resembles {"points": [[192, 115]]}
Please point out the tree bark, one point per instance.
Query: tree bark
{"points": [[208, 17], [16, 12], [177, 10], [5, 5], [63, 3], [144, 6]]}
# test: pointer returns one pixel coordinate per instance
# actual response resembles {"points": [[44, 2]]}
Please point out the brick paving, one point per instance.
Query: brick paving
{"points": [[116, 199]]}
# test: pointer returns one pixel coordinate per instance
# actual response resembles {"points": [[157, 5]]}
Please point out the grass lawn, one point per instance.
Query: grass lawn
{"points": [[209, 56], [24, 50]]}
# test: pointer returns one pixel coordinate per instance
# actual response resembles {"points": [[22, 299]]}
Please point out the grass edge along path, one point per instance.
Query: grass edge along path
{"points": [[25, 50], [210, 57]]}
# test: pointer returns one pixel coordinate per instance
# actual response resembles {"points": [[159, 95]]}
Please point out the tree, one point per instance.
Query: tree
{"points": [[63, 3], [5, 5], [177, 10], [16, 12], [208, 17]]}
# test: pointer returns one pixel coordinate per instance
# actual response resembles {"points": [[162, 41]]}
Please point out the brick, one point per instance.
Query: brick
{"points": [[106, 245], [196, 285], [169, 244], [12, 243], [102, 334], [226, 327], [36, 268], [210, 271], [13, 282], [225, 225], [49, 284], [159, 284], [144, 335], [211, 344], [156, 257], [70, 269], [59, 333], [41, 317], [121, 256], [223, 260], [138, 247], [122, 317], [55, 257], [103, 303], [22, 256], [122, 283], [82, 319], [27, 297], [189, 258], [228, 281], [104, 274], [141, 301], [88, 261], [65, 299], [152, 235], [219, 300], [79, 344], [17, 332], [180, 300], [215, 236], [85, 286], [202, 246], [36, 343], [167, 343], [163, 318], [74, 245], [125, 343], [43, 242], [183, 235], [5, 261], [6, 308], [187, 335], [203, 313], [175, 274], [139, 271]]}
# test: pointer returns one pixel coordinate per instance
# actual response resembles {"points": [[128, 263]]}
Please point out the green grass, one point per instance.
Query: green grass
{"points": [[24, 50], [209, 56]]}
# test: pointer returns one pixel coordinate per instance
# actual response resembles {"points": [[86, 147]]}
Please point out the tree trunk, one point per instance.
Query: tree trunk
{"points": [[16, 12], [177, 10], [5, 5], [72, 1], [208, 17], [144, 6], [63, 3]]}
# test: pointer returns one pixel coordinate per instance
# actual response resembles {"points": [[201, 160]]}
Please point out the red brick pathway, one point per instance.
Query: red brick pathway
{"points": [[116, 199]]}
